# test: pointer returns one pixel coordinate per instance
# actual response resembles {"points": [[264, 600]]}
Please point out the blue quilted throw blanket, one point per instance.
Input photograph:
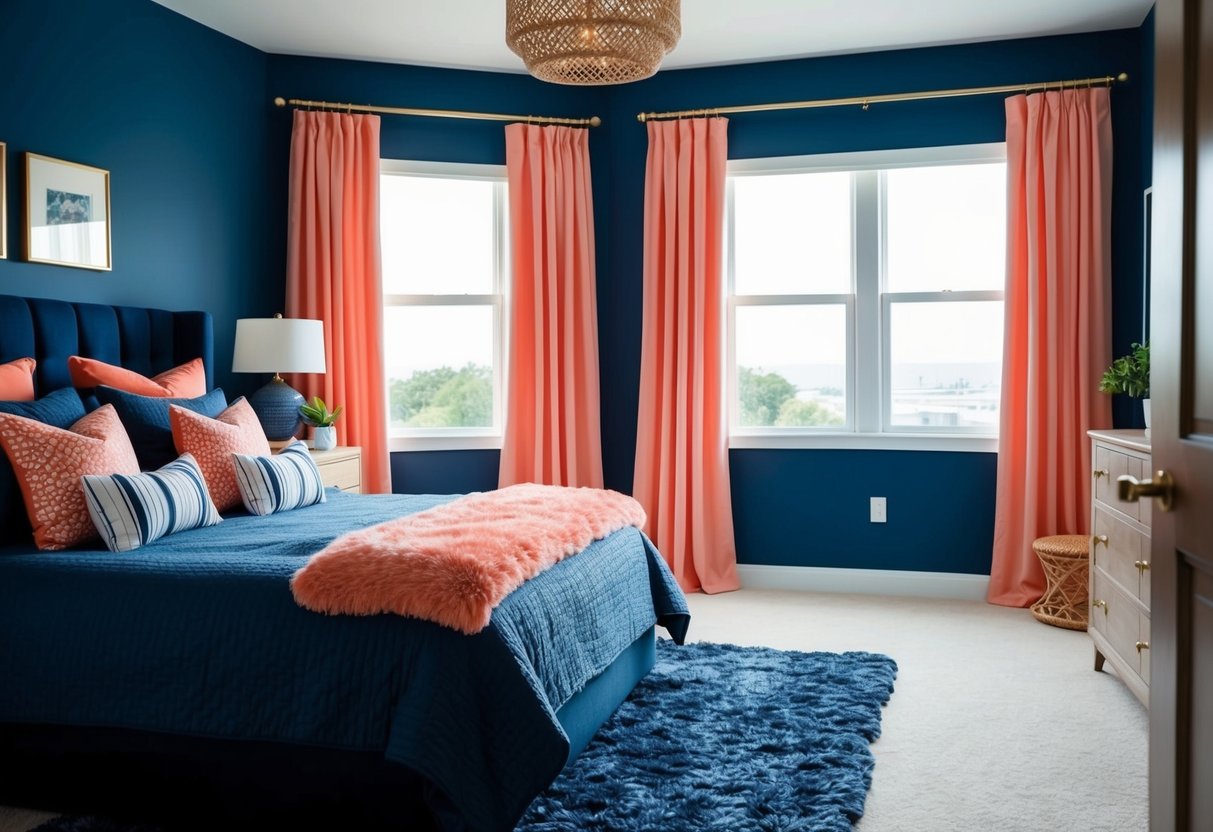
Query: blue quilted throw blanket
{"points": [[198, 635]]}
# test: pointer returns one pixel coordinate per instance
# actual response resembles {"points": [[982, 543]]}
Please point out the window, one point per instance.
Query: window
{"points": [[444, 239], [865, 298]]}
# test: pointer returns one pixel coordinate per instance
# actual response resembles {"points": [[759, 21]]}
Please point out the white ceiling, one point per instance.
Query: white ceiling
{"points": [[469, 34]]}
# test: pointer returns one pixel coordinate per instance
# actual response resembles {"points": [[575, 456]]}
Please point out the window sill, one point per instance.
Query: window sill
{"points": [[966, 443], [444, 443]]}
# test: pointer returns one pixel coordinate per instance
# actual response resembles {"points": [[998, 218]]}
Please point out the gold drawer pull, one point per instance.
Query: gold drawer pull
{"points": [[1143, 645], [1142, 565], [1097, 604], [1099, 472], [1096, 539]]}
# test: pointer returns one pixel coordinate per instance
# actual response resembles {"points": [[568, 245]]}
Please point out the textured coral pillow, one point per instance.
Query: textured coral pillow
{"points": [[49, 463], [213, 441], [185, 382], [17, 380], [59, 408]]}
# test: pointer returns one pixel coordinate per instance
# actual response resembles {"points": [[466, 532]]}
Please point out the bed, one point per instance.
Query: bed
{"points": [[181, 681]]}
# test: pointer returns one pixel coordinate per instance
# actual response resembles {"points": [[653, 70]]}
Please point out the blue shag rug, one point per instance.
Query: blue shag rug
{"points": [[717, 737]]}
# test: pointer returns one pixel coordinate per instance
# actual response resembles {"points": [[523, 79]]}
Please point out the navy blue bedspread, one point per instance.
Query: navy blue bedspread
{"points": [[198, 634]]}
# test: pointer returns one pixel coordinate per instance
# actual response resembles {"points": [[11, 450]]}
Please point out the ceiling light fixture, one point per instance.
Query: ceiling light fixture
{"points": [[592, 42]]}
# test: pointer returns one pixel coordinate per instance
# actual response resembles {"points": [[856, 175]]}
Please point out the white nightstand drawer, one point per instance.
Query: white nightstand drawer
{"points": [[340, 467]]}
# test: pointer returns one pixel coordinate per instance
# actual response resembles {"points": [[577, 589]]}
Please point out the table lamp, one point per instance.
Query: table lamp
{"points": [[278, 345]]}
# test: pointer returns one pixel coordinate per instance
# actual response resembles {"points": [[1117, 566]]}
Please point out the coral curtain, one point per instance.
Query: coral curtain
{"points": [[682, 465], [332, 273], [552, 431], [1059, 169]]}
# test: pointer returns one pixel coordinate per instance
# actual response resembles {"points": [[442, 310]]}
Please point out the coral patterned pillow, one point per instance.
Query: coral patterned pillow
{"points": [[49, 463], [185, 382], [17, 380], [213, 441]]}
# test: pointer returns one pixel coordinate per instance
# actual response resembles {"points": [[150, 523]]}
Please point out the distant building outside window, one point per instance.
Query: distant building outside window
{"points": [[866, 293]]}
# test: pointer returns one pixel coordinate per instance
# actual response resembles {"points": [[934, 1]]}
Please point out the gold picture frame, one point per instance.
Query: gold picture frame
{"points": [[67, 213]]}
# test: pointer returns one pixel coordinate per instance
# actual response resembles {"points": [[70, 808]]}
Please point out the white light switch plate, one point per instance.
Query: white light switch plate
{"points": [[879, 510]]}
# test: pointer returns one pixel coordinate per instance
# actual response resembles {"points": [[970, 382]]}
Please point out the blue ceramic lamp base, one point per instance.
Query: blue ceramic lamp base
{"points": [[277, 407]]}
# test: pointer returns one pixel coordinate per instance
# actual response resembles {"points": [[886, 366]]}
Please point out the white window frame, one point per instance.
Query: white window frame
{"points": [[868, 393], [446, 439]]}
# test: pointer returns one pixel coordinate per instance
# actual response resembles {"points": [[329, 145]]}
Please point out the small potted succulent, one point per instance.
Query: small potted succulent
{"points": [[1130, 374], [317, 414]]}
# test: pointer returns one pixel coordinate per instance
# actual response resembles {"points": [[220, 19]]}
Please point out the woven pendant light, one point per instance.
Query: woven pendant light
{"points": [[592, 42]]}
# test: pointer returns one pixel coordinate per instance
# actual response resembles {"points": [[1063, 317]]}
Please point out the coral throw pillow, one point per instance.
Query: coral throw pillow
{"points": [[213, 441], [49, 463], [17, 380], [185, 382]]}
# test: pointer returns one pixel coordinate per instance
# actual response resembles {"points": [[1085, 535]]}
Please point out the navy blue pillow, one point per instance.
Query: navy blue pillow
{"points": [[146, 421], [62, 409]]}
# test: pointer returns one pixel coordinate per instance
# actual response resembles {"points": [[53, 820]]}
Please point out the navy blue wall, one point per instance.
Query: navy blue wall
{"points": [[791, 506], [1147, 160], [444, 140], [182, 117], [810, 507], [176, 112]]}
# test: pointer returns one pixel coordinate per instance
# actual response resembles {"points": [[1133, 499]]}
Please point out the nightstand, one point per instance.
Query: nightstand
{"points": [[340, 467]]}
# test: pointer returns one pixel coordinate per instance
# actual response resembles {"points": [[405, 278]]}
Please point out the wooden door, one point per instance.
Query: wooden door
{"points": [[1181, 648]]}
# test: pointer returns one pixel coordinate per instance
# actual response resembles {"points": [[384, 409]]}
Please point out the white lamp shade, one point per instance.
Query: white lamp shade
{"points": [[278, 345]]}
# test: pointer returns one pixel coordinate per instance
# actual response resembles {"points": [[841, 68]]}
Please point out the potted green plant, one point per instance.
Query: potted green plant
{"points": [[317, 414], [1130, 375]]}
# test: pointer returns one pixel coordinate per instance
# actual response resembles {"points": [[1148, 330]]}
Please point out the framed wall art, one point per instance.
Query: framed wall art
{"points": [[67, 213]]}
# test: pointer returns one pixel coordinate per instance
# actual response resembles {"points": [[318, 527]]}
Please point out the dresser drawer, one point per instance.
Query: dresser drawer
{"points": [[1119, 620], [1111, 464], [1118, 548], [1144, 636]]}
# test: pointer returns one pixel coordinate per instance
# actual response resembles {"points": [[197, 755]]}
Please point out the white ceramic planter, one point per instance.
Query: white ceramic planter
{"points": [[1145, 410], [324, 439]]}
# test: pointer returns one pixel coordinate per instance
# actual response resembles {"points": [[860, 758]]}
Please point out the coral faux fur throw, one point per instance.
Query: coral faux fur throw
{"points": [[453, 564]]}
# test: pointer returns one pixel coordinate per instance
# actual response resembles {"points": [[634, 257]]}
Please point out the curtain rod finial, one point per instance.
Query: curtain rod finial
{"points": [[280, 101], [595, 121], [1122, 77]]}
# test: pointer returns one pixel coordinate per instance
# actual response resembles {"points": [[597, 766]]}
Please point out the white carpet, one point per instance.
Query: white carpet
{"points": [[997, 723]]}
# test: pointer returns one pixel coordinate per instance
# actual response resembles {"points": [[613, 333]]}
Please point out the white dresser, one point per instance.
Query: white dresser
{"points": [[1120, 560]]}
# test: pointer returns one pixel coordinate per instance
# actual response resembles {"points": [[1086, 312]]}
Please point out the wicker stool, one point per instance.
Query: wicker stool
{"points": [[1064, 558]]}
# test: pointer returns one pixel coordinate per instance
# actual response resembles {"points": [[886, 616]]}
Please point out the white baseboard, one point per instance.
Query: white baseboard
{"points": [[865, 581]]}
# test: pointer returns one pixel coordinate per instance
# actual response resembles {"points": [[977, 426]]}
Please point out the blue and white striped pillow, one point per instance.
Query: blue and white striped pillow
{"points": [[132, 510], [284, 482]]}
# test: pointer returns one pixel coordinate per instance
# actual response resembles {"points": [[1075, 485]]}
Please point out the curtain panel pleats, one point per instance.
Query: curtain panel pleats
{"points": [[1057, 336], [333, 274], [682, 466], [552, 427]]}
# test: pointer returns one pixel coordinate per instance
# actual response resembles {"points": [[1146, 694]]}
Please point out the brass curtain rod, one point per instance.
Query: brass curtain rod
{"points": [[594, 121], [865, 100]]}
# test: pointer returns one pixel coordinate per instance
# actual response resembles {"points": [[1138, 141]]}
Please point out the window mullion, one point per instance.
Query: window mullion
{"points": [[866, 374], [501, 286]]}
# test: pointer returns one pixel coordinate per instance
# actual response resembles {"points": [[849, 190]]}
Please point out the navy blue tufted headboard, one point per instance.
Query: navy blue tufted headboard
{"points": [[148, 341]]}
